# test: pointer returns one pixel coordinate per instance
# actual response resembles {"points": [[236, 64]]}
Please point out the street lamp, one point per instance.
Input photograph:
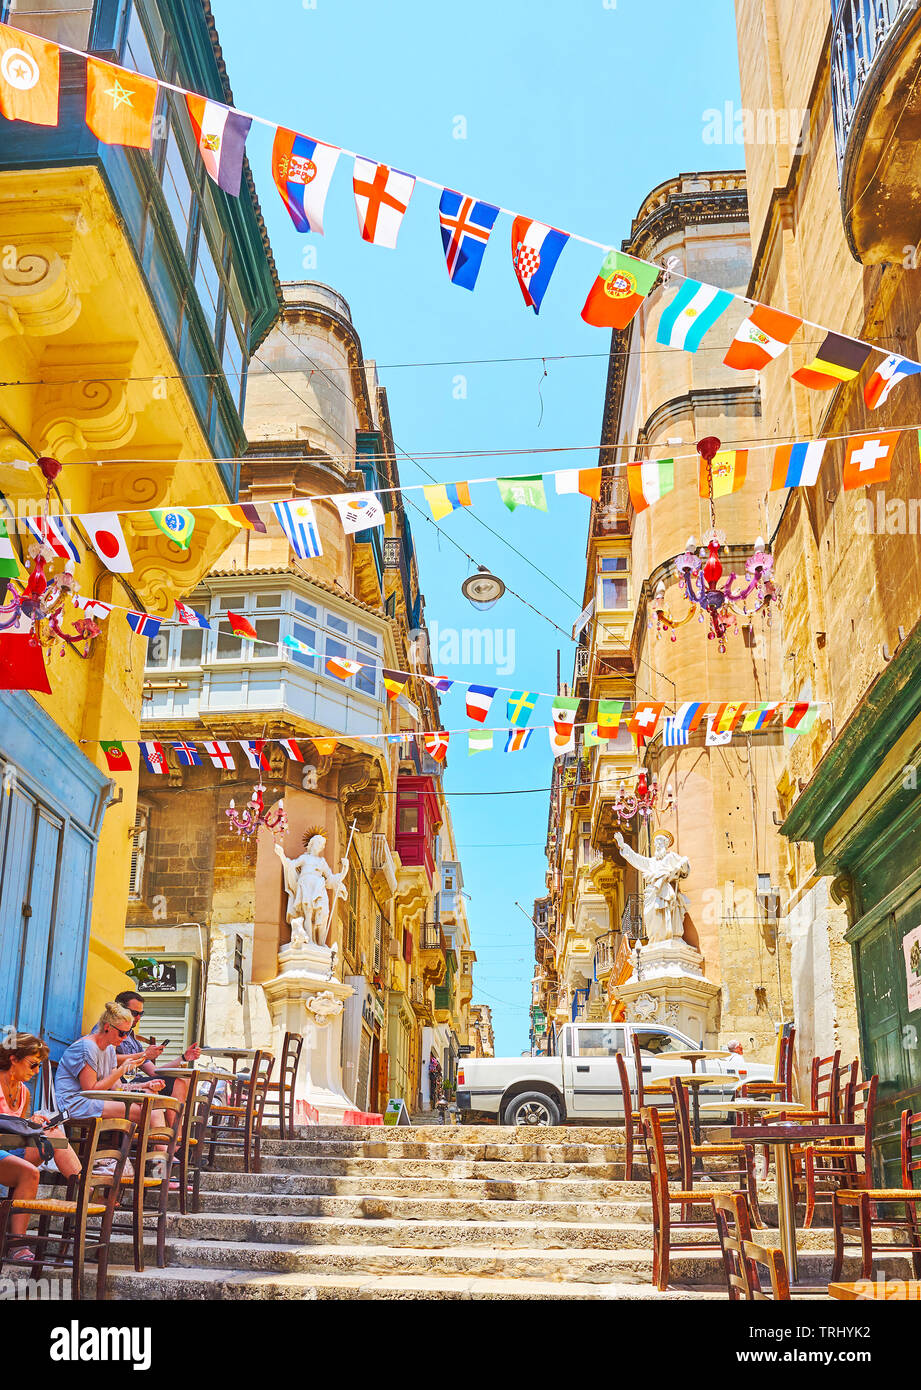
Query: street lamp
{"points": [[483, 589]]}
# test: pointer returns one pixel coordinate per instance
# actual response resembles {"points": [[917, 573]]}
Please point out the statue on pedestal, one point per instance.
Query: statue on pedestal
{"points": [[664, 905], [308, 882]]}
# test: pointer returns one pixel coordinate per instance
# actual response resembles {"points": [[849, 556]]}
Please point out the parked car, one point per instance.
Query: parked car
{"points": [[582, 1083]]}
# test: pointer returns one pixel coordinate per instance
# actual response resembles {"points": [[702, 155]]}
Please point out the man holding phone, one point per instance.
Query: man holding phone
{"points": [[130, 1044]]}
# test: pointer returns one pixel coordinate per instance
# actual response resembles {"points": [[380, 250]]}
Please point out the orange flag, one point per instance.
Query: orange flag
{"points": [[324, 746], [119, 105], [30, 77]]}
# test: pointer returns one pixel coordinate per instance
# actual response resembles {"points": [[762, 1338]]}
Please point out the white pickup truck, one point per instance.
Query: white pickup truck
{"points": [[583, 1083]]}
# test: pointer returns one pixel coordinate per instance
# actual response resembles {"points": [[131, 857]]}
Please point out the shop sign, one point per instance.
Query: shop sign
{"points": [[911, 946], [162, 978]]}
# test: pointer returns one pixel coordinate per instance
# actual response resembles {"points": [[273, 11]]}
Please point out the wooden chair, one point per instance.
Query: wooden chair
{"points": [[823, 1087], [280, 1093], [781, 1088], [92, 1195], [190, 1149], [738, 1169], [865, 1202], [664, 1197], [152, 1173], [238, 1124], [842, 1162], [742, 1255], [631, 1116]]}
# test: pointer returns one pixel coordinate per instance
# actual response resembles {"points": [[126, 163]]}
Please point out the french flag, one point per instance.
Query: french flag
{"points": [[536, 248], [886, 378], [479, 699], [221, 135]]}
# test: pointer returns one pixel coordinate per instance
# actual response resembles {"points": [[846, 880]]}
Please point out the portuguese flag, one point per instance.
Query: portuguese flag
{"points": [[622, 284]]}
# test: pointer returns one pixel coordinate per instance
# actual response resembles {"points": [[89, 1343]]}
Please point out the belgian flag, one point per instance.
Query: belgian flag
{"points": [[838, 359]]}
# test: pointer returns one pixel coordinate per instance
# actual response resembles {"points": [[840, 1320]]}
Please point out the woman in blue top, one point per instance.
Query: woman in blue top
{"points": [[90, 1064]]}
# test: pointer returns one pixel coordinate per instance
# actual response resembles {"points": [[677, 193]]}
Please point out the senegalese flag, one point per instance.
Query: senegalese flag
{"points": [[838, 359], [609, 712], [241, 514], [120, 105], [729, 468], [395, 682], [479, 741], [519, 707], [650, 481], [176, 522], [444, 498], [9, 564], [623, 283]]}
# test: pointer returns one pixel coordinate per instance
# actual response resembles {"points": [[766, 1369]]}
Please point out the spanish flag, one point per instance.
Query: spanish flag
{"points": [[729, 468], [838, 359]]}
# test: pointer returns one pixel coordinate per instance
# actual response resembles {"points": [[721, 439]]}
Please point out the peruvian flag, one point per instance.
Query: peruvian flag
{"points": [[764, 335], [108, 540], [221, 134], [436, 745], [382, 196], [341, 667], [292, 748]]}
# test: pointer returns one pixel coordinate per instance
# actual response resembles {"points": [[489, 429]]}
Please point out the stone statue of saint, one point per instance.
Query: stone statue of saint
{"points": [[664, 905], [308, 883]]}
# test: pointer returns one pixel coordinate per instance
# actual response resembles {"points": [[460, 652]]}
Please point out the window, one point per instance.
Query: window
{"points": [[657, 1042], [378, 942], [351, 939], [158, 650], [448, 880], [409, 820], [139, 850], [229, 646], [268, 600], [366, 680], [177, 189], [191, 645], [307, 610], [614, 593], [337, 624], [267, 631], [609, 563], [369, 639], [335, 648], [233, 602], [207, 282], [232, 361], [137, 50], [599, 1042]]}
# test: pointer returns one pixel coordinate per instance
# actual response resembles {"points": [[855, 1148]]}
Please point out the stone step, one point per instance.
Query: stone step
{"points": [[474, 1134], [505, 1188], [212, 1284], [431, 1168], [425, 1150]]}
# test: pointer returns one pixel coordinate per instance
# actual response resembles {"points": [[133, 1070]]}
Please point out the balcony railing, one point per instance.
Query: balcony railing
{"points": [[632, 916], [604, 955], [579, 1004], [862, 29], [433, 938], [382, 861]]}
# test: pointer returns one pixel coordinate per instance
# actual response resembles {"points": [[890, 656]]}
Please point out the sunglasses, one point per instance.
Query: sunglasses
{"points": [[34, 1066], [136, 1013], [122, 1032]]}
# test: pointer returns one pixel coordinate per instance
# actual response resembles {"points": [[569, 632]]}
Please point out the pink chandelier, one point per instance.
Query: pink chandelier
{"points": [[247, 821], [699, 575], [642, 799]]}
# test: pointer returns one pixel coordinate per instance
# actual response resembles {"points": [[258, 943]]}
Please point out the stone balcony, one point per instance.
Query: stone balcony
{"points": [[876, 100], [432, 954]]}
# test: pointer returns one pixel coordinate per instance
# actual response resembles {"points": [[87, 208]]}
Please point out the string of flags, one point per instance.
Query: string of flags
{"points": [[868, 459], [121, 108]]}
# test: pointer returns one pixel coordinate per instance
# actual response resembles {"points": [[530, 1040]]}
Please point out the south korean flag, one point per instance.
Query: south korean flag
{"points": [[358, 511]]}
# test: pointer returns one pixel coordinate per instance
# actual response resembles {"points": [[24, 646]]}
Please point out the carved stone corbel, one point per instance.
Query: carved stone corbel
{"points": [[361, 792], [37, 299], [843, 891]]}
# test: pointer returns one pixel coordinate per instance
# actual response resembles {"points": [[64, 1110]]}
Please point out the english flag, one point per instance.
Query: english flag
{"points": [[108, 540], [382, 196], [536, 248], [221, 135], [219, 753], [92, 607]]}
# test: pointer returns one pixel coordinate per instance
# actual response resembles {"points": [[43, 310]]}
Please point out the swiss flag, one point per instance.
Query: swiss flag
{"points": [[644, 720], [108, 540]]}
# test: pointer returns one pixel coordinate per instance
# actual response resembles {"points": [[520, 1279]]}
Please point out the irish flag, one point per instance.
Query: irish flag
{"points": [[622, 284], [648, 482], [584, 480]]}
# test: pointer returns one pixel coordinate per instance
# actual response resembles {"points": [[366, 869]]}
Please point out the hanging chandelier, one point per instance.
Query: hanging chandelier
{"points": [[700, 573], [247, 821], [40, 602], [642, 799]]}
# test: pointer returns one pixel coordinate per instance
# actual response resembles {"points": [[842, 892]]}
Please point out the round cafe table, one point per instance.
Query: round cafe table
{"points": [[699, 1055], [697, 1081]]}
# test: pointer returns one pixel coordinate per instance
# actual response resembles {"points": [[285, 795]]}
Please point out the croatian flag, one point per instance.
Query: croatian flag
{"points": [[674, 736], [187, 754], [886, 378], [382, 196], [219, 753], [693, 311], [536, 248], [221, 135], [154, 757], [52, 530], [189, 617], [465, 228], [143, 624], [797, 465], [303, 169], [479, 699], [299, 522]]}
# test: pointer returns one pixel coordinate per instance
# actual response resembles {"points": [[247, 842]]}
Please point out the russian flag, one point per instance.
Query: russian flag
{"points": [[221, 135], [688, 717], [536, 248], [886, 378], [693, 311], [303, 169], [797, 465]]}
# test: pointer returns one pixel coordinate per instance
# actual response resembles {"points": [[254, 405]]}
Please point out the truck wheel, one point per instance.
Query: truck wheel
{"points": [[532, 1108]]}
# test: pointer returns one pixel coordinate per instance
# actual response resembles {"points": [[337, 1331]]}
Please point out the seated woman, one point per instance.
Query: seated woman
{"points": [[20, 1059], [90, 1064]]}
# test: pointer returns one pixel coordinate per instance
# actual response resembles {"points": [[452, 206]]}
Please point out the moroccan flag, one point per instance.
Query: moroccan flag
{"points": [[444, 498], [729, 468], [394, 682], [584, 480], [116, 757], [241, 514], [241, 626], [623, 283], [9, 564], [838, 359], [30, 77], [764, 335], [221, 135], [648, 482], [176, 522], [869, 458], [120, 105]]}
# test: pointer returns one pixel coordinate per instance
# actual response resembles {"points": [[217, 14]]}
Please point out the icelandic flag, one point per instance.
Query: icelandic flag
{"points": [[479, 699], [440, 683], [221, 136], [536, 249], [299, 522], [143, 624], [674, 736], [189, 617], [797, 465], [517, 740], [303, 169], [688, 717], [187, 755], [885, 379], [465, 228], [154, 757], [52, 530], [693, 311]]}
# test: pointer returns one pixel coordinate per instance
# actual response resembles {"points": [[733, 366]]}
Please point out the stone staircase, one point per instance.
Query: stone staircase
{"points": [[470, 1212]]}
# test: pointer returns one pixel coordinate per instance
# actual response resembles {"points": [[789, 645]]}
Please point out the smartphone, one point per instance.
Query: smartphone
{"points": [[164, 1043], [56, 1119]]}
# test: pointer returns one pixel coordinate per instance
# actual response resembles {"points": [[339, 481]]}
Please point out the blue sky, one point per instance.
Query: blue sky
{"points": [[572, 113]]}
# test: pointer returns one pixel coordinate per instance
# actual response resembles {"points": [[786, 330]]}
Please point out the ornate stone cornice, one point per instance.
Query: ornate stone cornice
{"points": [[723, 400]]}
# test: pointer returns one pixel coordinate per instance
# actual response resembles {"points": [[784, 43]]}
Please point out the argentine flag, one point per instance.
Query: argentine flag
{"points": [[693, 311]]}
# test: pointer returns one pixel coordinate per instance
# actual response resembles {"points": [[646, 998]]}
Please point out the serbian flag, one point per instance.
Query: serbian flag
{"points": [[436, 745], [30, 78], [108, 540], [303, 169], [729, 468], [868, 458], [144, 624], [221, 135], [584, 480], [650, 481], [382, 196], [536, 248], [154, 757], [764, 335], [609, 712], [395, 682], [623, 283], [254, 748], [689, 716], [120, 105], [643, 720], [886, 378], [838, 359], [52, 530], [241, 626], [797, 465], [465, 228], [292, 748], [444, 498], [479, 699], [342, 668]]}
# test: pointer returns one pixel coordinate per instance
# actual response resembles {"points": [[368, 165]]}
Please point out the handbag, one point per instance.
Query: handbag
{"points": [[30, 1134]]}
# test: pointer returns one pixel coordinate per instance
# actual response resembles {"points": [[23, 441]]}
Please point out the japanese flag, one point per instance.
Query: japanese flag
{"points": [[108, 540]]}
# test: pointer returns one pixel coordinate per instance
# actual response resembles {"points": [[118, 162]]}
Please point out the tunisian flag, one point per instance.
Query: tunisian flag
{"points": [[30, 77], [119, 105]]}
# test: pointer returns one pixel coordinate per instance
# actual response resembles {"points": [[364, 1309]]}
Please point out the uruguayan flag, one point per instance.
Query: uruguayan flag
{"points": [[674, 736], [298, 521]]}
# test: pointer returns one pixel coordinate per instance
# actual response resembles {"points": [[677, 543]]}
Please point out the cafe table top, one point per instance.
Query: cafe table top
{"points": [[895, 1289], [703, 1078], [16, 1141], [130, 1097], [229, 1051], [773, 1107], [793, 1133], [702, 1053]]}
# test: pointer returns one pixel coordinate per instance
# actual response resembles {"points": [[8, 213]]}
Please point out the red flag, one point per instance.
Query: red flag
{"points": [[241, 626], [22, 665], [869, 458]]}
